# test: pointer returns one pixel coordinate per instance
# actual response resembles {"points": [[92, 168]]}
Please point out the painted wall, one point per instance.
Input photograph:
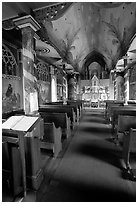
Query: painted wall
{"points": [[12, 92], [44, 92]]}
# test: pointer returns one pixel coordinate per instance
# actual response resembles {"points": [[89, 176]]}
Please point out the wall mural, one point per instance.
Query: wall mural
{"points": [[11, 81], [44, 92], [42, 73]]}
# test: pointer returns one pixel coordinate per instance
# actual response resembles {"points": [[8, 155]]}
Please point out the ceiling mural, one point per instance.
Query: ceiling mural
{"points": [[81, 32], [107, 28]]}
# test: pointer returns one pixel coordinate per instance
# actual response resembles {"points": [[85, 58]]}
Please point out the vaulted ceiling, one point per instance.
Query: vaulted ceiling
{"points": [[80, 32]]}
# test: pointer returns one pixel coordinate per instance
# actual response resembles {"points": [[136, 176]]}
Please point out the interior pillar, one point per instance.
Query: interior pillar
{"points": [[71, 87], [28, 27]]}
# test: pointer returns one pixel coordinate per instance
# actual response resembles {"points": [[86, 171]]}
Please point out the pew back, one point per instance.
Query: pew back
{"points": [[126, 122], [59, 109], [68, 105], [60, 120]]}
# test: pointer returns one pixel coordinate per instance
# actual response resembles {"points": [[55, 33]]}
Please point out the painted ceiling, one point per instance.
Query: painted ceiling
{"points": [[84, 32]]}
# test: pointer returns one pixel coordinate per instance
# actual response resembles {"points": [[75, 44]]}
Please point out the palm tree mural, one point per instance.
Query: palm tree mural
{"points": [[68, 45], [63, 46], [121, 39], [77, 60], [109, 54]]}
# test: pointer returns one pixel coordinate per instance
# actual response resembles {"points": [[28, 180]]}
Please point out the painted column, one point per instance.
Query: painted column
{"points": [[78, 88], [53, 84], [119, 86], [28, 27], [111, 85], [71, 87], [65, 88], [34, 172], [126, 86]]}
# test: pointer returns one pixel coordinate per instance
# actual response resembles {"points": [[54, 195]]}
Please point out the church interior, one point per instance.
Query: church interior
{"points": [[68, 101]]}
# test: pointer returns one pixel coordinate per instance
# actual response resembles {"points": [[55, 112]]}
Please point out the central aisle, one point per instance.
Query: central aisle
{"points": [[90, 169]]}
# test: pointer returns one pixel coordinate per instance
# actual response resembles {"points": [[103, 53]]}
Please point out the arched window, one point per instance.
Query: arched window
{"points": [[42, 71], [9, 64]]}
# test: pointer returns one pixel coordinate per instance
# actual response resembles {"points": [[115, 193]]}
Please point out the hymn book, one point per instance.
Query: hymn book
{"points": [[19, 123]]}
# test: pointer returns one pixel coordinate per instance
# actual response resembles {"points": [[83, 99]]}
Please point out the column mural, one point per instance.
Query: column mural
{"points": [[53, 84], [71, 87], [30, 90], [60, 84], [28, 27], [132, 83], [120, 86]]}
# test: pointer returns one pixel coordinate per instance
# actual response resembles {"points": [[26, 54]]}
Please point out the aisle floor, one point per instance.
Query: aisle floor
{"points": [[89, 170]]}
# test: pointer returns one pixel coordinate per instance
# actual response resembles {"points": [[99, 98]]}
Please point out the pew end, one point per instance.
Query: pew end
{"points": [[127, 127], [129, 147], [51, 139]]}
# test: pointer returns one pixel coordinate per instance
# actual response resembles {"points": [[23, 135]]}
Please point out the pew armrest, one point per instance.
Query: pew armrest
{"points": [[129, 145]]}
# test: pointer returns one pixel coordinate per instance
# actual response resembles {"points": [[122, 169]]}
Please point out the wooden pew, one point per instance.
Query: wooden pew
{"points": [[125, 122], [127, 126], [109, 110], [60, 109], [60, 120], [74, 106], [131, 102], [51, 139], [78, 104], [121, 110], [110, 103], [114, 111]]}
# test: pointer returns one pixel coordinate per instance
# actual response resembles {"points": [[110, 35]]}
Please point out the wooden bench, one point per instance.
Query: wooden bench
{"points": [[125, 122], [110, 103], [131, 102], [109, 110], [122, 110], [60, 120], [60, 109], [127, 126], [74, 106], [51, 139], [114, 110], [78, 104]]}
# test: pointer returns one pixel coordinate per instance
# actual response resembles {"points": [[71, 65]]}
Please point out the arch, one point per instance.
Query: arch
{"points": [[94, 56]]}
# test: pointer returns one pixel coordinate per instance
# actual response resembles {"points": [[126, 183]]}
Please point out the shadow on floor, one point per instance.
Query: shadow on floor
{"points": [[71, 191], [96, 120], [96, 128], [101, 151]]}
